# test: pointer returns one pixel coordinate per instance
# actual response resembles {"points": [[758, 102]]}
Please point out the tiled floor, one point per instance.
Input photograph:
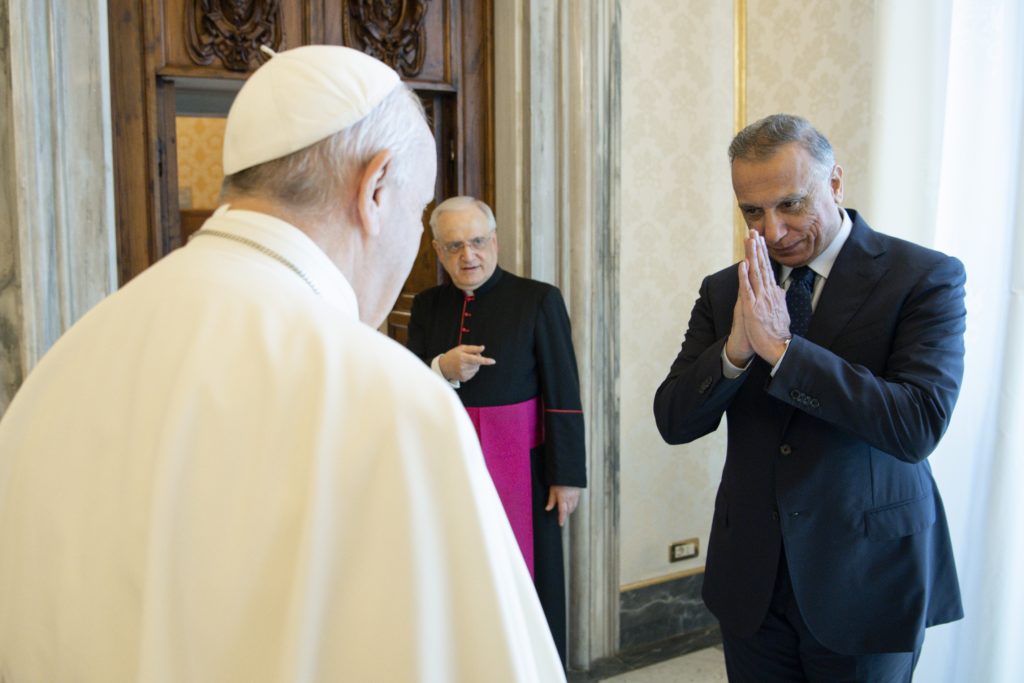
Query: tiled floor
{"points": [[702, 666]]}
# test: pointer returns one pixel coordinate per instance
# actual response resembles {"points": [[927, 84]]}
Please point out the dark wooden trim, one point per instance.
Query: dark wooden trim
{"points": [[476, 42], [133, 158]]}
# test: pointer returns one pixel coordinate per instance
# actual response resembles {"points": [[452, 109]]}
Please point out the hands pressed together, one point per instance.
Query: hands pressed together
{"points": [[461, 363], [760, 321]]}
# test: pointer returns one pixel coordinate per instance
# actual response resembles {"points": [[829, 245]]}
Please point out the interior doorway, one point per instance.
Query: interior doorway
{"points": [[176, 66]]}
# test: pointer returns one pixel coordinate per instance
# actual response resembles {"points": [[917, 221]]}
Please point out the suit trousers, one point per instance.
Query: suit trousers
{"points": [[783, 650]]}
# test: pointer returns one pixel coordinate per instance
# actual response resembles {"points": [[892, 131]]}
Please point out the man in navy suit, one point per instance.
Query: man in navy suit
{"points": [[829, 551]]}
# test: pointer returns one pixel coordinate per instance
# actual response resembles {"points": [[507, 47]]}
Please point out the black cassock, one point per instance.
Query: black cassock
{"points": [[525, 328]]}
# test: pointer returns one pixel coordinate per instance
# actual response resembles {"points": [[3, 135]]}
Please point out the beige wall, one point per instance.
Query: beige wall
{"points": [[813, 58], [809, 58]]}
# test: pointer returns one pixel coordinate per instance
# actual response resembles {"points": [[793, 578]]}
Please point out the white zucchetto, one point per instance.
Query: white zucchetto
{"points": [[299, 97]]}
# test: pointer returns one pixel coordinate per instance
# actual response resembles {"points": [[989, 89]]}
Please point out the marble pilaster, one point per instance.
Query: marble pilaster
{"points": [[57, 253], [556, 133]]}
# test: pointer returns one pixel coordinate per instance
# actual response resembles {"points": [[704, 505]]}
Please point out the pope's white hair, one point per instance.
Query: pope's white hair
{"points": [[306, 181]]}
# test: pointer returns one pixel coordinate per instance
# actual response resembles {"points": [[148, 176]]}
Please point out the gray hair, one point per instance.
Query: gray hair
{"points": [[761, 139], [457, 204], [306, 181]]}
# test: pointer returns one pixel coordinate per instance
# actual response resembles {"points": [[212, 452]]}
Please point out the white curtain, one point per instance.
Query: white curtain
{"points": [[947, 167]]}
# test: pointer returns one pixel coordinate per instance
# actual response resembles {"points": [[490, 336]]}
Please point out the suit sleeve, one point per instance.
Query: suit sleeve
{"points": [[691, 401], [564, 444], [904, 409], [418, 319]]}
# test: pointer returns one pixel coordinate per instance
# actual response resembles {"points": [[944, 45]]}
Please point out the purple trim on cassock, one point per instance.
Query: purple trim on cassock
{"points": [[507, 433]]}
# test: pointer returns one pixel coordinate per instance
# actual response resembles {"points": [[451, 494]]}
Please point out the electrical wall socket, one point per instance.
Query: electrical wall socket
{"points": [[683, 550]]}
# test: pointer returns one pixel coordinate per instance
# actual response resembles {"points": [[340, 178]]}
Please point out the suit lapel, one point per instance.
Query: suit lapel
{"points": [[856, 272]]}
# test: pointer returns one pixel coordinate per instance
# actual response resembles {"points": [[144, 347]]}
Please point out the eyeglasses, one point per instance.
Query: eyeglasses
{"points": [[475, 244]]}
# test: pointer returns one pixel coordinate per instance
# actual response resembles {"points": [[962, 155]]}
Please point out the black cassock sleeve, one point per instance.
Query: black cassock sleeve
{"points": [[565, 452]]}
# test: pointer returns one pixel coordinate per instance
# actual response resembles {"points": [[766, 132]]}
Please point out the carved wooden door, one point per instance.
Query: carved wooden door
{"points": [[160, 50]]}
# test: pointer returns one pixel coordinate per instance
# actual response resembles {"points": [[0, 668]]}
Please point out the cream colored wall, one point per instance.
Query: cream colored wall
{"points": [[809, 58], [676, 217], [813, 58]]}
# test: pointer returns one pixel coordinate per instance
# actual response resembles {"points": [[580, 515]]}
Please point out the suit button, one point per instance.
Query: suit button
{"points": [[785, 449], [815, 403], [795, 394], [775, 515]]}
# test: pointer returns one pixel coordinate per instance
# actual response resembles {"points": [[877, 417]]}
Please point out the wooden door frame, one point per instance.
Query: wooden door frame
{"points": [[134, 122], [142, 96]]}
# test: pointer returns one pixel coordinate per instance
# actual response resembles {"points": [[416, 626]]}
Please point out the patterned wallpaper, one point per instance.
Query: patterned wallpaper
{"points": [[813, 58], [200, 142], [676, 228], [810, 57]]}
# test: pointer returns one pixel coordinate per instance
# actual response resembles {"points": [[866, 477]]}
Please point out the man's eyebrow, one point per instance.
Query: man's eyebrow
{"points": [[791, 197]]}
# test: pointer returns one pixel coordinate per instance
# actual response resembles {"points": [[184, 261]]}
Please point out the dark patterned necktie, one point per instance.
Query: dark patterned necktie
{"points": [[798, 299]]}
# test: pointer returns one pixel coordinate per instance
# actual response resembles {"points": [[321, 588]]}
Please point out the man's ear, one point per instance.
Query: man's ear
{"points": [[371, 187], [836, 182]]}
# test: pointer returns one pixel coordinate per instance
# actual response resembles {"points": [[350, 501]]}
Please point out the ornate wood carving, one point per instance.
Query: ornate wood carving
{"points": [[232, 31], [390, 30]]}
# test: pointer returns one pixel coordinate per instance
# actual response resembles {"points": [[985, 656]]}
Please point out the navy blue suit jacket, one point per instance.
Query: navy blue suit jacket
{"points": [[827, 458]]}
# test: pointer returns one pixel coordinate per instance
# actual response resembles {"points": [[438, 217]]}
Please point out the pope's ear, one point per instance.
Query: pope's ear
{"points": [[371, 191]]}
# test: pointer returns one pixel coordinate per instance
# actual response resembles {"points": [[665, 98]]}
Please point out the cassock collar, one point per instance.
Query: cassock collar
{"points": [[287, 241], [491, 281]]}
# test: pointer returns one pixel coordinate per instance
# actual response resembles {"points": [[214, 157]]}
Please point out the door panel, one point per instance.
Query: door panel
{"points": [[440, 47]]}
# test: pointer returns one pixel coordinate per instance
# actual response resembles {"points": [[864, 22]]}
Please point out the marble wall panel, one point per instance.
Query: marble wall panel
{"points": [[659, 612], [57, 256]]}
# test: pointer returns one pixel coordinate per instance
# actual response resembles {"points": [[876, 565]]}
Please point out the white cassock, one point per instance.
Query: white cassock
{"points": [[220, 475]]}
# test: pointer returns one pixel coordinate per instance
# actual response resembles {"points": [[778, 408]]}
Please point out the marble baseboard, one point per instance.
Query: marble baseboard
{"points": [[662, 611], [657, 622], [638, 658]]}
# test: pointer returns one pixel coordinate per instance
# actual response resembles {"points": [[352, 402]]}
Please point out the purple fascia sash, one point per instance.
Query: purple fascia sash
{"points": [[507, 433]]}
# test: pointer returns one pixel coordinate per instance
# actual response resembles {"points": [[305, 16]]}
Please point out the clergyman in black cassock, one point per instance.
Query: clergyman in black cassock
{"points": [[521, 388]]}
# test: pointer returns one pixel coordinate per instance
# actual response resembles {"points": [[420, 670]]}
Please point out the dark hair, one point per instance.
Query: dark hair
{"points": [[763, 138]]}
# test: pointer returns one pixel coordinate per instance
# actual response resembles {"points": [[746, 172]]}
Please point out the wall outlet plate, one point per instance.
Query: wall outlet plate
{"points": [[683, 550]]}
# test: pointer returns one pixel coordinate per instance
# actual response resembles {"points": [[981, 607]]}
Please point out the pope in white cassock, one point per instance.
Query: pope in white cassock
{"points": [[223, 472]]}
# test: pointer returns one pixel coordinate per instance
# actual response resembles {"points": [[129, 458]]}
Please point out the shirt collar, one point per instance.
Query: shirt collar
{"points": [[293, 245], [823, 262]]}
